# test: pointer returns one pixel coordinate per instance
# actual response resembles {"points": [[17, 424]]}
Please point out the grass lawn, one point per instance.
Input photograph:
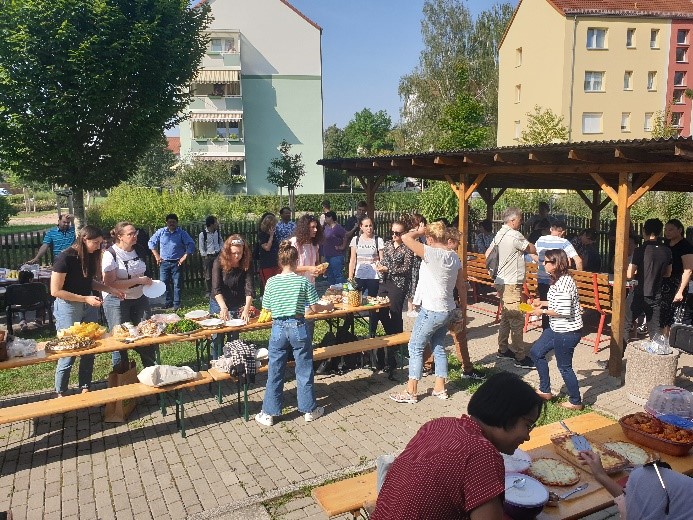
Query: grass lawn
{"points": [[23, 228]]}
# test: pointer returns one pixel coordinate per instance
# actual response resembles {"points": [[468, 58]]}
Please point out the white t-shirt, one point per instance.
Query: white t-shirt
{"points": [[545, 243], [366, 256], [437, 279], [308, 254], [127, 265]]}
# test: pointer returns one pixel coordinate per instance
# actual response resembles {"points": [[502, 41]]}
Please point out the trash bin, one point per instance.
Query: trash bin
{"points": [[645, 371]]}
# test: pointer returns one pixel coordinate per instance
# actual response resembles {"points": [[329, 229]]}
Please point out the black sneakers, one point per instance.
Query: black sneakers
{"points": [[526, 363], [474, 374], [506, 354]]}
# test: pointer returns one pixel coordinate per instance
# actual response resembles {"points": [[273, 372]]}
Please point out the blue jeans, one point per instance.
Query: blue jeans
{"points": [[289, 333], [335, 271], [119, 311], [370, 286], [429, 326], [171, 274], [66, 314], [563, 343]]}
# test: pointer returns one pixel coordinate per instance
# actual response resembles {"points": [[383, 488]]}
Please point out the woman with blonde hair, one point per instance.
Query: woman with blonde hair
{"points": [[72, 282], [440, 273], [268, 248], [232, 280], [287, 296]]}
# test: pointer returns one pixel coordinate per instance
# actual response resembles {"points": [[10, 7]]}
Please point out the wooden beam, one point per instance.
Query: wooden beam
{"points": [[579, 155], [585, 198], [453, 185], [444, 160], [604, 203], [477, 159], [632, 154], [510, 158], [596, 196], [498, 195], [645, 187], [400, 163], [605, 186], [421, 162], [683, 151], [543, 157], [463, 226], [618, 307], [473, 185]]}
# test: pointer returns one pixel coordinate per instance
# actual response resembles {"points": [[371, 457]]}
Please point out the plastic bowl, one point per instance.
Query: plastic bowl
{"points": [[671, 404], [526, 502]]}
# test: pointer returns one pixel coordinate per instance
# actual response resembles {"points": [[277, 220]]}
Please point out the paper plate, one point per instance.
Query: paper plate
{"points": [[517, 462], [211, 322], [158, 288], [238, 322], [196, 315], [262, 353]]}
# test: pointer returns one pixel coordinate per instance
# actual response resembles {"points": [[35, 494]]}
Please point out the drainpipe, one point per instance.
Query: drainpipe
{"points": [[572, 83]]}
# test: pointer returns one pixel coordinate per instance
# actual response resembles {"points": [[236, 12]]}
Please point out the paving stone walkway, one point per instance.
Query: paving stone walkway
{"points": [[77, 467]]}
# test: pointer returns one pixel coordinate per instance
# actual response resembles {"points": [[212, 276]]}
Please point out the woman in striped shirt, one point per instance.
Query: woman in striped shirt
{"points": [[565, 328], [287, 295]]}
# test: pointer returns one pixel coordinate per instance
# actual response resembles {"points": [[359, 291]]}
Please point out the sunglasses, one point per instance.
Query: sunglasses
{"points": [[397, 233], [549, 261], [656, 464]]}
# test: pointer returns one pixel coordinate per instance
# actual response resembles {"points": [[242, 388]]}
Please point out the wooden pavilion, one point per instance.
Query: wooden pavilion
{"points": [[622, 170]]}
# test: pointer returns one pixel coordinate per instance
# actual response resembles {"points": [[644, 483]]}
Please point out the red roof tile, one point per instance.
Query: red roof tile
{"points": [[630, 7], [174, 144]]}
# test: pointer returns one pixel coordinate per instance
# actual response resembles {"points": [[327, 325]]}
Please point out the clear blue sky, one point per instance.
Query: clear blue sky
{"points": [[367, 46]]}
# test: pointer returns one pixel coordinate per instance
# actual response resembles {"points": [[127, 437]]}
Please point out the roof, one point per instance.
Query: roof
{"points": [[663, 8], [553, 166], [174, 144], [286, 3]]}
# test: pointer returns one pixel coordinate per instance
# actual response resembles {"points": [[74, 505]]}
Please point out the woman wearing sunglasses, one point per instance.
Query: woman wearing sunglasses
{"points": [[232, 280], [395, 270], [565, 328]]}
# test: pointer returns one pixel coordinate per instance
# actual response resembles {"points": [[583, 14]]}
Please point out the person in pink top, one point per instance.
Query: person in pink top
{"points": [[307, 239]]}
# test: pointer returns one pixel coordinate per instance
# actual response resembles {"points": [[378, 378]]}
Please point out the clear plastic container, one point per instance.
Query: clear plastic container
{"points": [[672, 405]]}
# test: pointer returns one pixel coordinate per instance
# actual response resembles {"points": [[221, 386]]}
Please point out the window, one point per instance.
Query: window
{"points": [[681, 54], [592, 123], [518, 56], [222, 45], [680, 78], [228, 130], [594, 81], [648, 122], [682, 37], [628, 80], [625, 121], [518, 131], [518, 93], [677, 119], [596, 38], [654, 39], [652, 80], [679, 95], [630, 38]]}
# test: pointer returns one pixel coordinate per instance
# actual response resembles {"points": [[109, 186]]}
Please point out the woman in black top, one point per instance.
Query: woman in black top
{"points": [[268, 248], [675, 288], [72, 285], [232, 279]]}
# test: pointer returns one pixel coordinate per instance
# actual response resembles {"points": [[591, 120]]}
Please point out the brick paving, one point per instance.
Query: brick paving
{"points": [[76, 466]]}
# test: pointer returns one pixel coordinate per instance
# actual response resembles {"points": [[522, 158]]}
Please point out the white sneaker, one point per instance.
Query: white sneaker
{"points": [[264, 419], [311, 416]]}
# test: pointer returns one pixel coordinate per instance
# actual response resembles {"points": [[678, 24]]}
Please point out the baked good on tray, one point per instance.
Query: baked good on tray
{"points": [[632, 453], [652, 426], [612, 461], [67, 343], [552, 472]]}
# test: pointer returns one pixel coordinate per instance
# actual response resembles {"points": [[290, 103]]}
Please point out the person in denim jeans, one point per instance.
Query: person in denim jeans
{"points": [[440, 273], [286, 296], [72, 283], [123, 266], [565, 328]]}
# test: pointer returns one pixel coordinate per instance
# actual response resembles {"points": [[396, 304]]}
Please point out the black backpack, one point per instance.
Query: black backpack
{"points": [[493, 258]]}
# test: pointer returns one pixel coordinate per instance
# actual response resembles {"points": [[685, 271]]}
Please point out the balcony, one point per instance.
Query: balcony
{"points": [[219, 60], [219, 148], [213, 103]]}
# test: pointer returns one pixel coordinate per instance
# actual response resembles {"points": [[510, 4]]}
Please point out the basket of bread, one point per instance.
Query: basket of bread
{"points": [[88, 330]]}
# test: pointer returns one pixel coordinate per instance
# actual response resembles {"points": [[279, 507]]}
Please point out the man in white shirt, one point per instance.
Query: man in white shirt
{"points": [[210, 243], [554, 240]]}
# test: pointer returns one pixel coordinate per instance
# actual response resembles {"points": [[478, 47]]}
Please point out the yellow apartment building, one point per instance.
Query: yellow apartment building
{"points": [[604, 65]]}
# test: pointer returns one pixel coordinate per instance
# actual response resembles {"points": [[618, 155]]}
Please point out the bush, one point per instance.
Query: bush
{"points": [[7, 210], [440, 201], [45, 201]]}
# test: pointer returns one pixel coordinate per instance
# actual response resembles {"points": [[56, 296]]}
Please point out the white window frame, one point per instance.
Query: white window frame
{"points": [[518, 57], [518, 93], [625, 121], [630, 38], [684, 50], [679, 97], [594, 81], [654, 38], [628, 80], [592, 123], [647, 125], [518, 131], [682, 83], [679, 122], [685, 33], [593, 34], [652, 81]]}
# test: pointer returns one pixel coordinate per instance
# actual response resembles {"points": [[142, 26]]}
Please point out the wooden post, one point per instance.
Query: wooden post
{"points": [[370, 185], [596, 208], [618, 308]]}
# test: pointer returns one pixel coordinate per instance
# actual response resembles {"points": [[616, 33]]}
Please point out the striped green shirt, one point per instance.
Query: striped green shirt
{"points": [[287, 295]]}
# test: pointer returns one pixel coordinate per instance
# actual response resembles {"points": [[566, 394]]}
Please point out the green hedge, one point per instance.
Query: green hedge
{"points": [[45, 201]]}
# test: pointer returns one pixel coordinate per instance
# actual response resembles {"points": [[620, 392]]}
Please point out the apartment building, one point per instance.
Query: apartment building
{"points": [[260, 82], [607, 66]]}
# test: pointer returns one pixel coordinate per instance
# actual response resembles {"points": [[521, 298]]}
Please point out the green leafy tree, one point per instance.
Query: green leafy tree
{"points": [[544, 127], [155, 165], [86, 86], [7, 210], [286, 171], [369, 132], [203, 176], [661, 125], [335, 145]]}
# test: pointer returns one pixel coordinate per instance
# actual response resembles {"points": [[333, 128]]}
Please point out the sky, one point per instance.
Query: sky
{"points": [[367, 46]]}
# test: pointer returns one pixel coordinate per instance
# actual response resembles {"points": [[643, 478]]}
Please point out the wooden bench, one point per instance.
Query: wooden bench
{"points": [[477, 274], [319, 354], [595, 294], [35, 410], [348, 495]]}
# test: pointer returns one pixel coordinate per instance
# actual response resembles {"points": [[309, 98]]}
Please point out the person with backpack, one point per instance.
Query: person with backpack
{"points": [[123, 266], [209, 243], [366, 255], [509, 247]]}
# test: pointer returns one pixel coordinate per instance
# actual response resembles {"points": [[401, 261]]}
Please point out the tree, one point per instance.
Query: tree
{"points": [[369, 131], [286, 172], [203, 176], [544, 127], [335, 145], [86, 86], [155, 165], [661, 124]]}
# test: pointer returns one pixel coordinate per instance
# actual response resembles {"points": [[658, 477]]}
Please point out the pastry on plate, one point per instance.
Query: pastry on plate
{"points": [[552, 472]]}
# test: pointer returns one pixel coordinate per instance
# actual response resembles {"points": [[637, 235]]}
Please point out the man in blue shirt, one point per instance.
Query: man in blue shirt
{"points": [[285, 227], [175, 245], [58, 238]]}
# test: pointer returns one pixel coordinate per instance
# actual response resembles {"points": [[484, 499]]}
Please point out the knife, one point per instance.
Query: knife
{"points": [[572, 492], [579, 442]]}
